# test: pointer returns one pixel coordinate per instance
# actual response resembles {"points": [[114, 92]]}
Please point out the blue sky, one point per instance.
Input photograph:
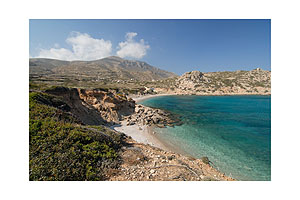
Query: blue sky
{"points": [[174, 45]]}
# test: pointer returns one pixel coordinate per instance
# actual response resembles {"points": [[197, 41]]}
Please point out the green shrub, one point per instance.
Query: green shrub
{"points": [[62, 150]]}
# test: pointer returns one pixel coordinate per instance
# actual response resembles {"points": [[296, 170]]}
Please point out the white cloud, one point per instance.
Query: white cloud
{"points": [[84, 47], [61, 54], [131, 48]]}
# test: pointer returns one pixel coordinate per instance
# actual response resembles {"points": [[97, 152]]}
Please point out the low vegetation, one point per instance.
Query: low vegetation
{"points": [[61, 148]]}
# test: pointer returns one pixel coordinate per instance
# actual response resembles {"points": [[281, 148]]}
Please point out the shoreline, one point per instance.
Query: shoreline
{"points": [[160, 156], [140, 98], [141, 134], [145, 134]]}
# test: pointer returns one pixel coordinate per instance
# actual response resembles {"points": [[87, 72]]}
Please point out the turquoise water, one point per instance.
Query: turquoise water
{"points": [[233, 131]]}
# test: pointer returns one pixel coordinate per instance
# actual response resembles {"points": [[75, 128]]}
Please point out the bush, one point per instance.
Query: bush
{"points": [[62, 150]]}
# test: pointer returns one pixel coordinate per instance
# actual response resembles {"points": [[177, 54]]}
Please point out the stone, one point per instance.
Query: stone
{"points": [[156, 120], [207, 178], [171, 157], [205, 160], [129, 123]]}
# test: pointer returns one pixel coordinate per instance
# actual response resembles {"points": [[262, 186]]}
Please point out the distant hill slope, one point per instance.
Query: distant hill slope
{"points": [[107, 68], [256, 81]]}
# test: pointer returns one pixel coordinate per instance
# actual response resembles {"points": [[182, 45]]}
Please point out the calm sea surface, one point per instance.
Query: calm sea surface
{"points": [[234, 132]]}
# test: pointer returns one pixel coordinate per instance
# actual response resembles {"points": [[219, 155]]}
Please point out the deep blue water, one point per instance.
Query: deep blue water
{"points": [[233, 131]]}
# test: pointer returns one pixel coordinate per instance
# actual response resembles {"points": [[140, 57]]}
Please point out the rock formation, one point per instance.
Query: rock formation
{"points": [[192, 80], [149, 116], [95, 107]]}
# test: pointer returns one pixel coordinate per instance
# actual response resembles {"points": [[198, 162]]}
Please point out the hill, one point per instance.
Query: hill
{"points": [[136, 77], [256, 81], [110, 68]]}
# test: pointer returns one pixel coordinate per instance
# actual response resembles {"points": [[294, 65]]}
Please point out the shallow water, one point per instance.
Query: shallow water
{"points": [[233, 131]]}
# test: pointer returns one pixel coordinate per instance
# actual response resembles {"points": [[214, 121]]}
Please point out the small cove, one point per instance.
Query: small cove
{"points": [[233, 131]]}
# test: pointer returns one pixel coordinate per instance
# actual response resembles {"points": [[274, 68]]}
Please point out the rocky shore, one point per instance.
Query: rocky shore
{"points": [[149, 159], [143, 162], [144, 115]]}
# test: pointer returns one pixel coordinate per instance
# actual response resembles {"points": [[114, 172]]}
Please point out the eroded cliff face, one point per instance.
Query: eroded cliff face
{"points": [[95, 107]]}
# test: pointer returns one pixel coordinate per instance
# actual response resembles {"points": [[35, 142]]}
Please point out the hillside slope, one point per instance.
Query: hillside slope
{"points": [[110, 68], [256, 81]]}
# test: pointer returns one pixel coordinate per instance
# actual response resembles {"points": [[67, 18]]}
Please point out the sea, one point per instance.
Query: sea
{"points": [[234, 132]]}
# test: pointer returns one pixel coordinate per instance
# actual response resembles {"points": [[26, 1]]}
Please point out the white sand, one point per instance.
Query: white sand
{"points": [[141, 133], [140, 98], [142, 136]]}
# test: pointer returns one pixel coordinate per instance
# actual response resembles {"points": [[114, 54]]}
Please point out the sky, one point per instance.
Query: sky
{"points": [[173, 45]]}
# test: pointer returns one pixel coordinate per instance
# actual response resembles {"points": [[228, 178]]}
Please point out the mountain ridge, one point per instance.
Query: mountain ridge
{"points": [[112, 67], [140, 77]]}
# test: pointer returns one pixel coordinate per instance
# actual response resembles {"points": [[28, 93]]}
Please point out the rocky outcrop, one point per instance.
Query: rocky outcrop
{"points": [[112, 106], [95, 107], [149, 116], [192, 80]]}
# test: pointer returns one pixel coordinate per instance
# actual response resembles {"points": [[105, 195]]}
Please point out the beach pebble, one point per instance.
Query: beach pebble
{"points": [[171, 157]]}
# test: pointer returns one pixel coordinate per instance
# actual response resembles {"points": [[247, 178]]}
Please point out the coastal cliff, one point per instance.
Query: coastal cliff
{"points": [[84, 119], [70, 139], [95, 107]]}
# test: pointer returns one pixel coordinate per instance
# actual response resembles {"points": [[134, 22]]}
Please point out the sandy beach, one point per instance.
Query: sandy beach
{"points": [[144, 133], [140, 98], [140, 133]]}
